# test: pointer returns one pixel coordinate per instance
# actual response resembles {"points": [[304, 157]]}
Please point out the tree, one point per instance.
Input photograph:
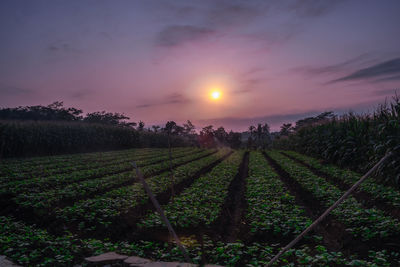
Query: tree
{"points": [[109, 118], [141, 126], [53, 112], [221, 135], [252, 130], [260, 135], [155, 128], [188, 128], [286, 129], [206, 137], [234, 139]]}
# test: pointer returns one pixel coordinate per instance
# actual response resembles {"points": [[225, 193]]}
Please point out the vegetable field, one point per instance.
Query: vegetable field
{"points": [[233, 208]]}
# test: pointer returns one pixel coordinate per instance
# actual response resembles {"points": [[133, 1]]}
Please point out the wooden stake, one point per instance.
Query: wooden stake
{"points": [[161, 212]]}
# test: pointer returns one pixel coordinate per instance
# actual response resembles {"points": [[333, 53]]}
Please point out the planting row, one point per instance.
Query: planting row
{"points": [[30, 246], [271, 209], [378, 191], [369, 224], [104, 209], [20, 172], [86, 188], [24, 164], [55, 182], [200, 204]]}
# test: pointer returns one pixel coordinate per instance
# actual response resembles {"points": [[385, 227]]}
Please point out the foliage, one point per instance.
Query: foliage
{"points": [[368, 224], [260, 136], [201, 204], [104, 204], [376, 190], [103, 209], [271, 209], [27, 138], [353, 141]]}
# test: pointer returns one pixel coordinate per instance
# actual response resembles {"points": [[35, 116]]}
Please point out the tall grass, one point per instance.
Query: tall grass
{"points": [[354, 141], [31, 138]]}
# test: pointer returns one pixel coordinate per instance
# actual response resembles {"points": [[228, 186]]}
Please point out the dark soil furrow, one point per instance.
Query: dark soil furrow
{"points": [[9, 207], [334, 235], [69, 202], [125, 227], [366, 199], [235, 205], [106, 164]]}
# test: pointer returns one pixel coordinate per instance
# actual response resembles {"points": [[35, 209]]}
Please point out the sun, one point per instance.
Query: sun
{"points": [[215, 95]]}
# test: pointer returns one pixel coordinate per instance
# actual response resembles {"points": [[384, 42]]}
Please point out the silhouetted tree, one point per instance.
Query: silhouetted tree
{"points": [[108, 118], [188, 128], [206, 137], [234, 139], [286, 129], [140, 126], [155, 128], [221, 135], [52, 112]]}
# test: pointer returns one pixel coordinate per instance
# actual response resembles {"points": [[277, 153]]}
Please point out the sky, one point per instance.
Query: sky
{"points": [[272, 61]]}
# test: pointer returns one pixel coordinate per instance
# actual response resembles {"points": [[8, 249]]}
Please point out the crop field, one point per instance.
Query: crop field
{"points": [[229, 207]]}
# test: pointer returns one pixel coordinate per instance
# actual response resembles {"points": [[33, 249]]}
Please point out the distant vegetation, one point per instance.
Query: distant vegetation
{"points": [[55, 129], [353, 141]]}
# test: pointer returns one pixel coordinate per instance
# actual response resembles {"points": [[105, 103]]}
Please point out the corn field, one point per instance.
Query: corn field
{"points": [[354, 141]]}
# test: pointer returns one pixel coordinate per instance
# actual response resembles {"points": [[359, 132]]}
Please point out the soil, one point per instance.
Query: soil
{"points": [[365, 198]]}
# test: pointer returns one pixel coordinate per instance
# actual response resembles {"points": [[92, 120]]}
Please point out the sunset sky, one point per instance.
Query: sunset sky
{"points": [[271, 61]]}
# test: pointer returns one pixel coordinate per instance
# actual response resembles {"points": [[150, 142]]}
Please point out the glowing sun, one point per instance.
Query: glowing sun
{"points": [[215, 95]]}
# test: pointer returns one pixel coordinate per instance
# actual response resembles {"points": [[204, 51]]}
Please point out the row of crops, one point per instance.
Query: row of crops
{"points": [[58, 210]]}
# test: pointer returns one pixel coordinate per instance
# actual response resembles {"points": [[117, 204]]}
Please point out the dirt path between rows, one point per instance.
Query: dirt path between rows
{"points": [[364, 198], [236, 203]]}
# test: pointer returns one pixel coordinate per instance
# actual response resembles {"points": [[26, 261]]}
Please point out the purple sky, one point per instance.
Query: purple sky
{"points": [[274, 61]]}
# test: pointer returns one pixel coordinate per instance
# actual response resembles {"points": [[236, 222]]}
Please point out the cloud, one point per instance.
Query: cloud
{"points": [[229, 17], [81, 93], [312, 8], [333, 68], [387, 92], [228, 13], [175, 98], [388, 79], [389, 67], [178, 34], [60, 46], [13, 90], [247, 85]]}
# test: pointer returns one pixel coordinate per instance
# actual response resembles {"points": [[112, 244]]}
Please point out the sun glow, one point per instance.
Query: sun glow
{"points": [[215, 95]]}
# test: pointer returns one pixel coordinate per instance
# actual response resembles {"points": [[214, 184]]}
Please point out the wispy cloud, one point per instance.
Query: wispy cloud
{"points": [[81, 93], [228, 13], [13, 90], [386, 68], [172, 99], [227, 18], [387, 92], [312, 8], [333, 68], [390, 78], [178, 34], [61, 46]]}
